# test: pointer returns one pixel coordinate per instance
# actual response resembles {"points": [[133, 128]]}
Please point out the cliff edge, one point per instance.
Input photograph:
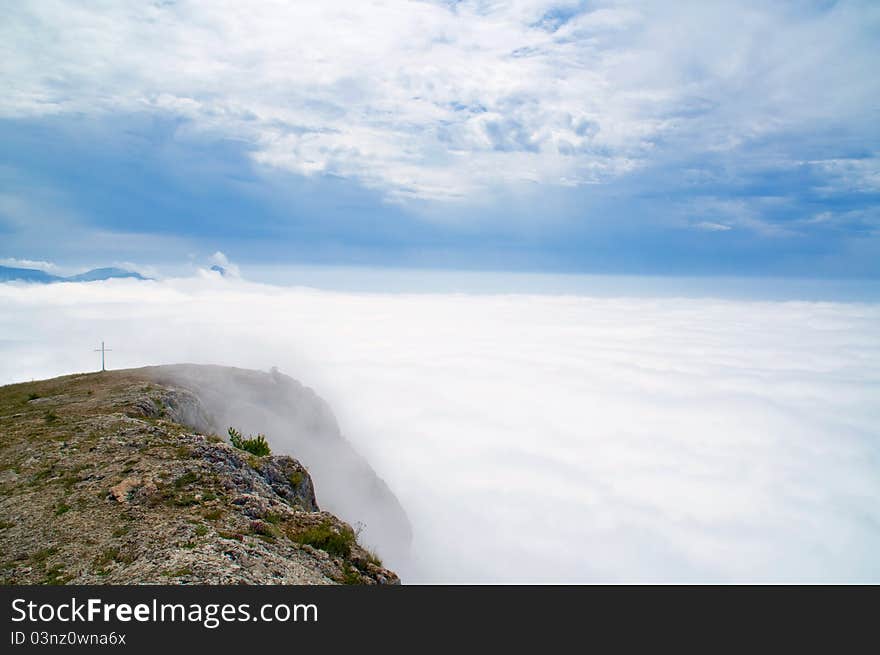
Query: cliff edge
{"points": [[106, 478]]}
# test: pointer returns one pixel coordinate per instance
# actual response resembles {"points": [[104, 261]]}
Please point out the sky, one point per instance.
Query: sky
{"points": [[541, 438], [644, 138]]}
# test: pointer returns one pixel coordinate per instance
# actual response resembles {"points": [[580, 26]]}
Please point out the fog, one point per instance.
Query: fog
{"points": [[543, 438]]}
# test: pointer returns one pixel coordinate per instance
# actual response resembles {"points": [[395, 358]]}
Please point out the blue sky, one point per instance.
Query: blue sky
{"points": [[610, 137]]}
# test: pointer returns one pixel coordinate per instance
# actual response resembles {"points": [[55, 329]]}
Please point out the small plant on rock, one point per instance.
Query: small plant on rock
{"points": [[256, 445]]}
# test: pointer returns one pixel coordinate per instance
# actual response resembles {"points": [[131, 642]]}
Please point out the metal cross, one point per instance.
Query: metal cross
{"points": [[102, 350]]}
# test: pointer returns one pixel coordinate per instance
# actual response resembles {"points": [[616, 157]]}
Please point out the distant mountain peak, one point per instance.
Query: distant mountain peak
{"points": [[106, 273], [9, 273]]}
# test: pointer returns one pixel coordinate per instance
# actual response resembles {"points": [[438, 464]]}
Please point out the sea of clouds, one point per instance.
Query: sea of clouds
{"points": [[543, 438]]}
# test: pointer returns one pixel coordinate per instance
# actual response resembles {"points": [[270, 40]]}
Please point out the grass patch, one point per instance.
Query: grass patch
{"points": [[295, 479], [264, 530], [187, 478], [256, 445], [55, 576], [373, 558], [159, 404], [350, 575], [201, 530], [178, 573], [213, 514], [69, 480], [113, 554], [121, 531], [329, 538], [50, 416], [185, 500], [41, 476], [43, 554], [62, 509]]}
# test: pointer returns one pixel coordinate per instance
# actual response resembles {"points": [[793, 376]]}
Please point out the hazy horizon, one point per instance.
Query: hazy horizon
{"points": [[400, 279]]}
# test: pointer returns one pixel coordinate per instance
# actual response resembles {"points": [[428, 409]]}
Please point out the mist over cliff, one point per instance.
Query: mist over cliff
{"points": [[295, 420]]}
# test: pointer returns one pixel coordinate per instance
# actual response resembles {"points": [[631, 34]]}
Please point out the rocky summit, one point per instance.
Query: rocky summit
{"points": [[118, 478]]}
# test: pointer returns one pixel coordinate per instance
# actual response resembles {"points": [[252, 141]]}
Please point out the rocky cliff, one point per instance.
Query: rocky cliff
{"points": [[120, 477], [299, 422]]}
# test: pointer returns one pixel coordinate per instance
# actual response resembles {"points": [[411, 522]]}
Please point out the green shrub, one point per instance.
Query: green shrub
{"points": [[350, 575], [255, 445], [186, 479]]}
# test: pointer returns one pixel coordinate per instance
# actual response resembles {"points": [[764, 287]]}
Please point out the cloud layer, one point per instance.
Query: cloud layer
{"points": [[446, 100], [544, 438]]}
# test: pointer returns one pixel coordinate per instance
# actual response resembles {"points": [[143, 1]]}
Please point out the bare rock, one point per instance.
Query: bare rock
{"points": [[120, 491]]}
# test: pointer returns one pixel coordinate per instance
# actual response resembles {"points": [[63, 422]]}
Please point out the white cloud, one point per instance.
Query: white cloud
{"points": [[710, 226], [221, 260], [544, 438], [854, 175], [440, 100], [14, 262], [145, 270]]}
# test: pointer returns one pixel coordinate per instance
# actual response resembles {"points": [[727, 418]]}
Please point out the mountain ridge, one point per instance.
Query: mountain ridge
{"points": [[12, 273]]}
